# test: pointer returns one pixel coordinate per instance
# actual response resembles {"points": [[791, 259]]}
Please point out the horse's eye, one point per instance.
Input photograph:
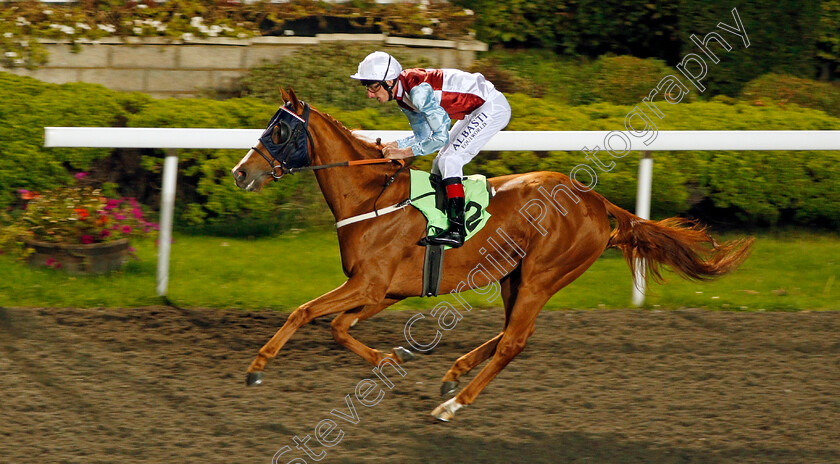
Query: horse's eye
{"points": [[280, 133]]}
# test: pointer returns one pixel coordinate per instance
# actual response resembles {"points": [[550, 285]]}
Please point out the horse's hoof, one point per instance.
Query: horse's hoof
{"points": [[446, 411], [254, 378], [441, 414], [448, 387], [403, 354]]}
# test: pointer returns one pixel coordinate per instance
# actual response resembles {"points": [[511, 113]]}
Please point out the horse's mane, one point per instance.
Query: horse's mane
{"points": [[349, 133]]}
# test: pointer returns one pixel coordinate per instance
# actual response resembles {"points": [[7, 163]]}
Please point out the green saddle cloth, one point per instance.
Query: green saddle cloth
{"points": [[477, 195]]}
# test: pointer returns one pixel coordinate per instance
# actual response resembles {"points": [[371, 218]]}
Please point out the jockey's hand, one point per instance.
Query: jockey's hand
{"points": [[384, 146], [396, 153]]}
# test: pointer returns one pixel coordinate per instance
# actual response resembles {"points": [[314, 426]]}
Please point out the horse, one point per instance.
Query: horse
{"points": [[532, 255]]}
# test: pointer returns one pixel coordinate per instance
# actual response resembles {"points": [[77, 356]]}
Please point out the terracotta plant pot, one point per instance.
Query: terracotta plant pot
{"points": [[96, 258]]}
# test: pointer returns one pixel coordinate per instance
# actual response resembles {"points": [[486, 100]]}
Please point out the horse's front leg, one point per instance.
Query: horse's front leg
{"points": [[351, 294], [342, 323]]}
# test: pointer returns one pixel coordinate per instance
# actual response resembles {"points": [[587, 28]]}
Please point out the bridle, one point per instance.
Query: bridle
{"points": [[279, 157]]}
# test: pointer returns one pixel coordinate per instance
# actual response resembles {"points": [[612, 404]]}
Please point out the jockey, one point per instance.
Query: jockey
{"points": [[430, 98]]}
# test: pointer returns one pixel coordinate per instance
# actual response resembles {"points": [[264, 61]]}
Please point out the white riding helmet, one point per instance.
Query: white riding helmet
{"points": [[378, 66]]}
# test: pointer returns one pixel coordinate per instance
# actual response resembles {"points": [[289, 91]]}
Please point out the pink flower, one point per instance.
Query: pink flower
{"points": [[112, 204], [126, 229], [105, 234], [27, 195], [120, 217], [80, 175], [137, 213], [87, 239], [49, 261]]}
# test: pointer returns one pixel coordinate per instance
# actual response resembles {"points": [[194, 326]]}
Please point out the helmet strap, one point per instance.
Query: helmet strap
{"points": [[384, 84], [389, 88]]}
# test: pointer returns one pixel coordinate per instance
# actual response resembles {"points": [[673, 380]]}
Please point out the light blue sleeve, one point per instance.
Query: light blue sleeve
{"points": [[430, 123]]}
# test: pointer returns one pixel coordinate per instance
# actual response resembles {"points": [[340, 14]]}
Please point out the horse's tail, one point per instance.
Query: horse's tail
{"points": [[681, 244]]}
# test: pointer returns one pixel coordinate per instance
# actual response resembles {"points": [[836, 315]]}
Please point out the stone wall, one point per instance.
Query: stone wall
{"points": [[164, 68]]}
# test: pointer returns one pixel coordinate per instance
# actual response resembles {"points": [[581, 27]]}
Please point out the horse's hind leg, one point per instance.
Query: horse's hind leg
{"points": [[342, 323], [467, 362], [512, 342], [530, 298]]}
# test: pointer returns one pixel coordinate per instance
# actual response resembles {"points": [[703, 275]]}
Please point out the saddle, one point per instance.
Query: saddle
{"points": [[429, 198]]}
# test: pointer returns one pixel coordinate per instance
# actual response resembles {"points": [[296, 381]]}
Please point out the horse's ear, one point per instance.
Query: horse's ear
{"points": [[284, 95], [296, 104]]}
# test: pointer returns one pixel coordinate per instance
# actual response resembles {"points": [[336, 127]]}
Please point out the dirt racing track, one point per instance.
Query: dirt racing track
{"points": [[166, 385]]}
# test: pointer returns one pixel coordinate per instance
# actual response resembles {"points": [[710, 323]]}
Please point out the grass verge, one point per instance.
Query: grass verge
{"points": [[790, 271]]}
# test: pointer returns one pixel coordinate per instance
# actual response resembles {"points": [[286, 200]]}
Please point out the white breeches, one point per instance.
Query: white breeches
{"points": [[469, 135]]}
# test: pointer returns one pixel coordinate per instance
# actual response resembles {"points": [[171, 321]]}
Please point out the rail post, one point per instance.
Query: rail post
{"points": [[167, 210], [643, 211]]}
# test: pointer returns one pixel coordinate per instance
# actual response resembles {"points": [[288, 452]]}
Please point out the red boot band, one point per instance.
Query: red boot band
{"points": [[454, 191]]}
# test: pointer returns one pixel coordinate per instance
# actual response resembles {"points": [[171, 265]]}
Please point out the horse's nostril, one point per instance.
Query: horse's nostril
{"points": [[241, 175]]}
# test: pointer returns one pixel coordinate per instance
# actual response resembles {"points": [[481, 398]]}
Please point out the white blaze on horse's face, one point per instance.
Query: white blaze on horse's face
{"points": [[252, 172]]}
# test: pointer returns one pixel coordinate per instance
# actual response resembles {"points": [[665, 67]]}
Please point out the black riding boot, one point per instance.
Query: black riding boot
{"points": [[455, 235]]}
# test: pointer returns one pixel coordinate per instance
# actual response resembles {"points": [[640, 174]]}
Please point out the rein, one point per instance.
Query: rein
{"points": [[348, 163], [274, 165]]}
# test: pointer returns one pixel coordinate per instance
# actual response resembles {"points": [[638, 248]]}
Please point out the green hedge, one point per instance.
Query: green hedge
{"points": [[761, 188], [828, 37], [29, 106], [324, 81], [626, 79], [204, 185], [539, 73], [788, 37], [823, 96], [582, 27], [782, 36], [754, 187]]}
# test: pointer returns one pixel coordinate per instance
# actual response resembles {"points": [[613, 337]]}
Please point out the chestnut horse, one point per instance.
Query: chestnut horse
{"points": [[535, 255]]}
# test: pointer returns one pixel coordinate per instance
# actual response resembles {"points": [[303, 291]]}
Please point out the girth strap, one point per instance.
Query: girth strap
{"points": [[373, 214]]}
